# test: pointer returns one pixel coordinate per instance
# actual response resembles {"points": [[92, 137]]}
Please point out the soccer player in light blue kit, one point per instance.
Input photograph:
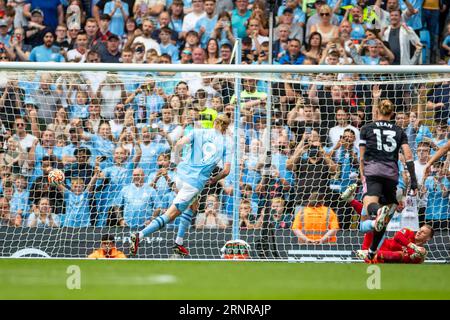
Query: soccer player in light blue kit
{"points": [[208, 148]]}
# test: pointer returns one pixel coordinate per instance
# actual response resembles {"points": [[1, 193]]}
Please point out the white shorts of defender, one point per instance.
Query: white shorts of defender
{"points": [[186, 195]]}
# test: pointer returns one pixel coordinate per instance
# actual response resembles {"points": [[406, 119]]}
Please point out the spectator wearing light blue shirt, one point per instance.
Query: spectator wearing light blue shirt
{"points": [[114, 178], [78, 210], [239, 18], [39, 151], [442, 134], [346, 154], [445, 47], [138, 200], [251, 174], [280, 152], [80, 107], [5, 37], [145, 96], [151, 150], [68, 152], [101, 144], [47, 52], [414, 20], [119, 12], [223, 30], [374, 54], [163, 179], [166, 46], [299, 15], [176, 16], [19, 201], [437, 188], [43, 216], [205, 25]]}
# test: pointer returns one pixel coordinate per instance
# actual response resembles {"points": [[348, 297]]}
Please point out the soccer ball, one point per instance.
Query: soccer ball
{"points": [[56, 177], [236, 249]]}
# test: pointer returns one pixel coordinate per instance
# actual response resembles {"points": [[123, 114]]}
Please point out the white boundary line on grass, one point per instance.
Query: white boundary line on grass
{"points": [[289, 260]]}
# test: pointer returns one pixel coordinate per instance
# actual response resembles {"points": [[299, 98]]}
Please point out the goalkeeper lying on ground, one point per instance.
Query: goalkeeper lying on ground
{"points": [[405, 247]]}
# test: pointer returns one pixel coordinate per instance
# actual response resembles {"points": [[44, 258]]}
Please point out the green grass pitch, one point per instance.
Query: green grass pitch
{"points": [[174, 279]]}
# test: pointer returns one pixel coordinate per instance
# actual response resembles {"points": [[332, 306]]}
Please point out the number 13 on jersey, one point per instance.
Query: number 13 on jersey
{"points": [[389, 144]]}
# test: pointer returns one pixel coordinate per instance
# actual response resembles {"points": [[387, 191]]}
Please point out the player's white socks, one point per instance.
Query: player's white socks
{"points": [[179, 241]]}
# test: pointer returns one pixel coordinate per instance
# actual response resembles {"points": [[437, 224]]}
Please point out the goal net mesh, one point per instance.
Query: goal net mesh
{"points": [[297, 153]]}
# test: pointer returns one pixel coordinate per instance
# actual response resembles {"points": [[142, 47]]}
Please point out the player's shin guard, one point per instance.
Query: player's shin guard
{"points": [[185, 223], [157, 224]]}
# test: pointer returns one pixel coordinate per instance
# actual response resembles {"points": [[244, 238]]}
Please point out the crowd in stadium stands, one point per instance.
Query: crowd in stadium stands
{"points": [[113, 137]]}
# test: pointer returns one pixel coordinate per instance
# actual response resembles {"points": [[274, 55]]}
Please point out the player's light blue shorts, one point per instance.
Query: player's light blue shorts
{"points": [[186, 195]]}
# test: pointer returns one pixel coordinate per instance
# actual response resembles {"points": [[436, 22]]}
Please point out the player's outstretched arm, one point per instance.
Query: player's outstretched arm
{"points": [[362, 150], [179, 146], [222, 174], [403, 236], [437, 155]]}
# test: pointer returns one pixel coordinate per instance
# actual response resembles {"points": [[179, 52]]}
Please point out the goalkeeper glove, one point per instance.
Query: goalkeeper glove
{"points": [[418, 250], [419, 256]]}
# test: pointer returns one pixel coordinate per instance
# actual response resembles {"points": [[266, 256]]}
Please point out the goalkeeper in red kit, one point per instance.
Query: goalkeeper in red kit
{"points": [[405, 247]]}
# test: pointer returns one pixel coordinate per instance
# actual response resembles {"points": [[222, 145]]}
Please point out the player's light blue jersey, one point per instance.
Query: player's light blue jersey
{"points": [[208, 149]]}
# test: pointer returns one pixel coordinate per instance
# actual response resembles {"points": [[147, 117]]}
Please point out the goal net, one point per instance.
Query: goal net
{"points": [[294, 151]]}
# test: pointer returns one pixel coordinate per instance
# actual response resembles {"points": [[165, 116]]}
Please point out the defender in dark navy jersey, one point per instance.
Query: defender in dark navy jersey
{"points": [[380, 143]]}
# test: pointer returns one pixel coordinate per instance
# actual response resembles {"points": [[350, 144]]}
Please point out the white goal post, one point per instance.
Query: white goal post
{"points": [[294, 132]]}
